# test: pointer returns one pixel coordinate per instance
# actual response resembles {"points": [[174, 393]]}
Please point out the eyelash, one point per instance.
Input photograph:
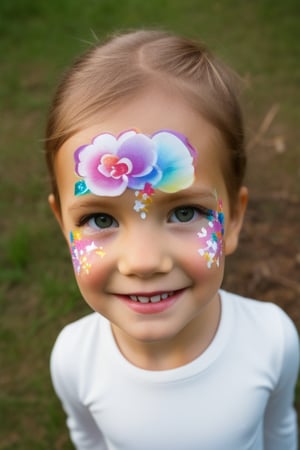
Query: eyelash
{"points": [[85, 219], [200, 211], [197, 211]]}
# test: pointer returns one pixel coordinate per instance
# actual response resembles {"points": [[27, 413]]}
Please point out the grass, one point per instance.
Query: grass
{"points": [[38, 39]]}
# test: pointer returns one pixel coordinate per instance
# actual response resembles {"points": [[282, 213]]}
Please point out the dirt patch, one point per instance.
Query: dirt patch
{"points": [[267, 263]]}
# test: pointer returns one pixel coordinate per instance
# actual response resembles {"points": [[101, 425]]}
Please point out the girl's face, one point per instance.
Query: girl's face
{"points": [[150, 258]]}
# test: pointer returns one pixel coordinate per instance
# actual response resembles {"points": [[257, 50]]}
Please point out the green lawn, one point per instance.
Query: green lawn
{"points": [[38, 39]]}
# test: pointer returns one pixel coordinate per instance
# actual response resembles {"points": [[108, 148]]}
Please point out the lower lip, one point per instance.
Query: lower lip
{"points": [[152, 308]]}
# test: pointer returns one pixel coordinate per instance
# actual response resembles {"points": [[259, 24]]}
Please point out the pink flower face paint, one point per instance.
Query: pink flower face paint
{"points": [[110, 165], [83, 252], [211, 237]]}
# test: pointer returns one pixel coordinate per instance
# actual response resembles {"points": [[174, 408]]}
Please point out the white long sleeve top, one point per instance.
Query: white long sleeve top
{"points": [[238, 395]]}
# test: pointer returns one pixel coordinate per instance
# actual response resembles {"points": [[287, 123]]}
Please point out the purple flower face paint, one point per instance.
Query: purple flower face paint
{"points": [[110, 165], [83, 251], [211, 237]]}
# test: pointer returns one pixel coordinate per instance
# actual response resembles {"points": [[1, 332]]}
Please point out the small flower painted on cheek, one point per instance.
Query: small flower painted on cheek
{"points": [[81, 251], [211, 237], [110, 165]]}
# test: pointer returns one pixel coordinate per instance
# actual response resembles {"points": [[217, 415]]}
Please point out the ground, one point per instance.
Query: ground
{"points": [[267, 263]]}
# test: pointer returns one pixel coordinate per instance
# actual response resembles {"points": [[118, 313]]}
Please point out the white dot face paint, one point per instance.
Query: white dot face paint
{"points": [[211, 237], [84, 252], [143, 200]]}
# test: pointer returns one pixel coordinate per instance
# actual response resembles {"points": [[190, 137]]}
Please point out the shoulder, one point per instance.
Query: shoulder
{"points": [[265, 315], [264, 326], [73, 344], [77, 332]]}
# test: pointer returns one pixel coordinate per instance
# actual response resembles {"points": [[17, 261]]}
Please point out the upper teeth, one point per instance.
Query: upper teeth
{"points": [[152, 299]]}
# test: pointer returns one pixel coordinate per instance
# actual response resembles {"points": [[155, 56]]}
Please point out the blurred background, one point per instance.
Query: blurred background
{"points": [[38, 295]]}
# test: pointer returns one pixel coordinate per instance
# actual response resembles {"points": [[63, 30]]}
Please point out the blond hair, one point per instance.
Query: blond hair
{"points": [[127, 64]]}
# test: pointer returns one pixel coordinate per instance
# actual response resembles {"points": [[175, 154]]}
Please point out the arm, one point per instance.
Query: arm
{"points": [[84, 432], [280, 424]]}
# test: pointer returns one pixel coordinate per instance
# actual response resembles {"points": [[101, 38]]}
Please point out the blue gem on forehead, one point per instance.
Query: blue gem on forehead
{"points": [[81, 188]]}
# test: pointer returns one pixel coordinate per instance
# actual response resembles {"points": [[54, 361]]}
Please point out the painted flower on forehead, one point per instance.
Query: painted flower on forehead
{"points": [[110, 165]]}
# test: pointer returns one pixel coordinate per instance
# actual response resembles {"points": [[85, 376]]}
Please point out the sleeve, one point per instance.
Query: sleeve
{"points": [[280, 422], [84, 432]]}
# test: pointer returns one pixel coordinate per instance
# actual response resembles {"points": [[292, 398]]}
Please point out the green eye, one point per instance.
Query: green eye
{"points": [[184, 214], [103, 221], [98, 221]]}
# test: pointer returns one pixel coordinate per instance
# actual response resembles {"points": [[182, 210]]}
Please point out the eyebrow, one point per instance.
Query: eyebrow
{"points": [[91, 202], [195, 192], [192, 192]]}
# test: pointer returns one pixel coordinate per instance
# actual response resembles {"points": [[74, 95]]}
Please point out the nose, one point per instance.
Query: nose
{"points": [[144, 255]]}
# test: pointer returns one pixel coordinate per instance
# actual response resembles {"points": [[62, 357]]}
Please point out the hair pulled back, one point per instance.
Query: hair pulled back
{"points": [[128, 63]]}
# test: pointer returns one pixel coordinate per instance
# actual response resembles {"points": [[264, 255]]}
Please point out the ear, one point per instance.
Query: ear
{"points": [[235, 222], [55, 209]]}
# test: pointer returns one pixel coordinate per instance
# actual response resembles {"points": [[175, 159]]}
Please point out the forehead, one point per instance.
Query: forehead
{"points": [[148, 113]]}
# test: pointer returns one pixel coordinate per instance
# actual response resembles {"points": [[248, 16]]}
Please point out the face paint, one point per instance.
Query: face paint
{"points": [[211, 237], [110, 165], [144, 199], [83, 251]]}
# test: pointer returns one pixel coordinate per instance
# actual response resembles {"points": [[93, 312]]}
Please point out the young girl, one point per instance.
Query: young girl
{"points": [[146, 155]]}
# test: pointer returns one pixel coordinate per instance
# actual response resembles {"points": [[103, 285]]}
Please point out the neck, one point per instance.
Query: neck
{"points": [[176, 351]]}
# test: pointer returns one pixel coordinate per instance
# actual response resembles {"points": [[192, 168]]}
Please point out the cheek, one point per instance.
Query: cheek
{"points": [[211, 238], [85, 253], [203, 255], [200, 261], [210, 245], [90, 266]]}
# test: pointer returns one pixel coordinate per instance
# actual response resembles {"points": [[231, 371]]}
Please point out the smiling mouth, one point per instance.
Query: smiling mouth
{"points": [[151, 299]]}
